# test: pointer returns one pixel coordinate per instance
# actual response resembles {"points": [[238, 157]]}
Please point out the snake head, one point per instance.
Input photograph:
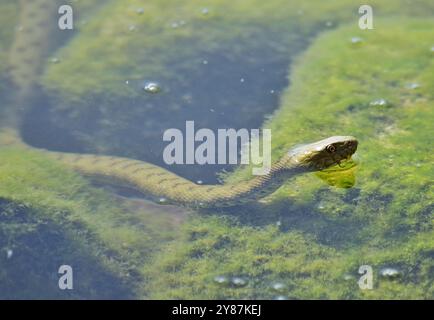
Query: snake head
{"points": [[323, 154]]}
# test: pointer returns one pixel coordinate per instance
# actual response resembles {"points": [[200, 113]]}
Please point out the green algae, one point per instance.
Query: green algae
{"points": [[52, 216], [217, 246], [340, 176], [152, 45], [322, 234], [386, 219]]}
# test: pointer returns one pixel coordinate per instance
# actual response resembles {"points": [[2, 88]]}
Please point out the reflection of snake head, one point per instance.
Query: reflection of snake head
{"points": [[324, 153]]}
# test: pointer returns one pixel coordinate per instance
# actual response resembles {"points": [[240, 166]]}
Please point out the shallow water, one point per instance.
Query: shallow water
{"points": [[130, 72]]}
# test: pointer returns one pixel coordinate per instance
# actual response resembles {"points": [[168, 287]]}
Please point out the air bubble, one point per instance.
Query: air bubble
{"points": [[348, 277], [152, 87], [177, 24], [221, 279], [412, 86], [278, 286], [380, 103], [390, 273], [356, 40], [238, 281], [187, 98]]}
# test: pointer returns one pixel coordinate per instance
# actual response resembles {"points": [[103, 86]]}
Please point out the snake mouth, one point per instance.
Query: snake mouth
{"points": [[341, 165]]}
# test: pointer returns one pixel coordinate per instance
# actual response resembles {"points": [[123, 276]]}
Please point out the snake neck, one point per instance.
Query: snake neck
{"points": [[280, 172], [246, 191]]}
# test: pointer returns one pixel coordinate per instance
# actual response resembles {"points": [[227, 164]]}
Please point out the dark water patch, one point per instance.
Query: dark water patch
{"points": [[32, 248], [218, 89], [352, 195], [424, 222], [7, 107], [340, 232], [36, 132]]}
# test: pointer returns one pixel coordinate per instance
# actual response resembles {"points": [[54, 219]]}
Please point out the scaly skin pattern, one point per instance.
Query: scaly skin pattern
{"points": [[30, 46], [26, 59], [160, 183]]}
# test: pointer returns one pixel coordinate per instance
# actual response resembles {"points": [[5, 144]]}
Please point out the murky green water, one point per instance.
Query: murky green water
{"points": [[304, 70]]}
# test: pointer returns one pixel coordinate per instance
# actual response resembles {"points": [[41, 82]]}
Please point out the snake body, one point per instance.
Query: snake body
{"points": [[27, 55], [30, 48]]}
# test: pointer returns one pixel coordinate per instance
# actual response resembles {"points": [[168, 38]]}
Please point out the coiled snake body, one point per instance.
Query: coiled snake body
{"points": [[146, 177]]}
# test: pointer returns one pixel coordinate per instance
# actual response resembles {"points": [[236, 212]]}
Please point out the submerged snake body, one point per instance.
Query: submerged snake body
{"points": [[145, 177], [30, 46]]}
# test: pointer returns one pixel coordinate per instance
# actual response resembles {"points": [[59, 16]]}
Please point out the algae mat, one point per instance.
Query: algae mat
{"points": [[312, 239], [307, 240]]}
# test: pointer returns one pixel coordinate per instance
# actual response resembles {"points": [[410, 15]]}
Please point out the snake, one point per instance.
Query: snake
{"points": [[27, 54]]}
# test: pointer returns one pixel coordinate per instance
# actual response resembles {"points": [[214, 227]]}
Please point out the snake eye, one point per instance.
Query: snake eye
{"points": [[331, 148]]}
